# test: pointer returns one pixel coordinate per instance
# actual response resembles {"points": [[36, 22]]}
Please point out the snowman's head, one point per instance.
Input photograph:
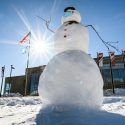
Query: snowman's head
{"points": [[71, 14]]}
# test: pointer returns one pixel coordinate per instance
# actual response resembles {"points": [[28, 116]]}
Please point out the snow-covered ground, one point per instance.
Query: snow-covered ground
{"points": [[24, 110], [19, 110]]}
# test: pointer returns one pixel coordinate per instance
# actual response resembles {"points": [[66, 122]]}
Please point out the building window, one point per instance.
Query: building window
{"points": [[7, 88], [34, 84], [106, 75], [118, 75]]}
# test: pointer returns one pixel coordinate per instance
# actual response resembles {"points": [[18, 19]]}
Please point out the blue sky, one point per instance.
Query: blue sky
{"points": [[16, 16]]}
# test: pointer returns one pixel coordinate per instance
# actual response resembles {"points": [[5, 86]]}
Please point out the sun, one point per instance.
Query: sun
{"points": [[41, 47], [41, 41]]}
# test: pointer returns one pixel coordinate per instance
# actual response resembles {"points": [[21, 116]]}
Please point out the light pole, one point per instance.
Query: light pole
{"points": [[2, 76], [10, 77]]}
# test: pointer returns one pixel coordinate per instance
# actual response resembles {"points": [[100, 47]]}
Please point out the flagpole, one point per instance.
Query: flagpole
{"points": [[2, 76], [26, 81], [10, 79], [113, 86]]}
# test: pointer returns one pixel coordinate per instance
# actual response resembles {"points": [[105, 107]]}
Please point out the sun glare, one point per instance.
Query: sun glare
{"points": [[39, 47]]}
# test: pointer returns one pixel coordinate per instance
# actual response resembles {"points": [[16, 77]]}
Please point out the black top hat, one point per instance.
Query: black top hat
{"points": [[67, 8]]}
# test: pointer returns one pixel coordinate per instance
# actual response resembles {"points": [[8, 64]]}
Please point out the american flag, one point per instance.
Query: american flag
{"points": [[100, 59], [25, 39], [112, 58]]}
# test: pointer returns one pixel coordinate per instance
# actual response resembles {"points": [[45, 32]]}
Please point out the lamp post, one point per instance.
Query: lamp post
{"points": [[2, 76], [10, 77]]}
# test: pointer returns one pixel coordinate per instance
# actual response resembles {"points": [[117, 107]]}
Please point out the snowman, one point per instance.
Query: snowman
{"points": [[72, 78]]}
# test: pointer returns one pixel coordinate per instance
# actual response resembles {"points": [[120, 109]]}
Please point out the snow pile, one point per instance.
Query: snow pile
{"points": [[72, 78], [12, 95], [79, 117], [118, 92], [19, 101], [19, 110], [115, 104], [34, 93], [111, 113]]}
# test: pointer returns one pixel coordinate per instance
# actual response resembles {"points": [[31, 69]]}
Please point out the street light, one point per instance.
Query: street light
{"points": [[10, 77], [2, 76]]}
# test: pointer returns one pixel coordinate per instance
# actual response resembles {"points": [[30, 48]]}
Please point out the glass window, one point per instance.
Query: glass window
{"points": [[7, 88], [118, 75], [106, 75], [34, 83]]}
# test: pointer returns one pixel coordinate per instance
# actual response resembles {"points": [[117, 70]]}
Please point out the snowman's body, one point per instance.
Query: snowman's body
{"points": [[71, 79], [72, 36]]}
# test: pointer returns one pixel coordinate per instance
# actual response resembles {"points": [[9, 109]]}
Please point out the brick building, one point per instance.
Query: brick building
{"points": [[18, 82]]}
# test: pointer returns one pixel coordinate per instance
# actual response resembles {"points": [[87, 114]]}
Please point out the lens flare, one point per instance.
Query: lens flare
{"points": [[41, 46]]}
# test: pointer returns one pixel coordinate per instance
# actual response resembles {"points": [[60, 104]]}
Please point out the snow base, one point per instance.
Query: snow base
{"points": [[56, 115], [28, 111]]}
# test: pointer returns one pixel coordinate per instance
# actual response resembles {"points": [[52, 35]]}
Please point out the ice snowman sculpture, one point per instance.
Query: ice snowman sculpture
{"points": [[71, 78]]}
